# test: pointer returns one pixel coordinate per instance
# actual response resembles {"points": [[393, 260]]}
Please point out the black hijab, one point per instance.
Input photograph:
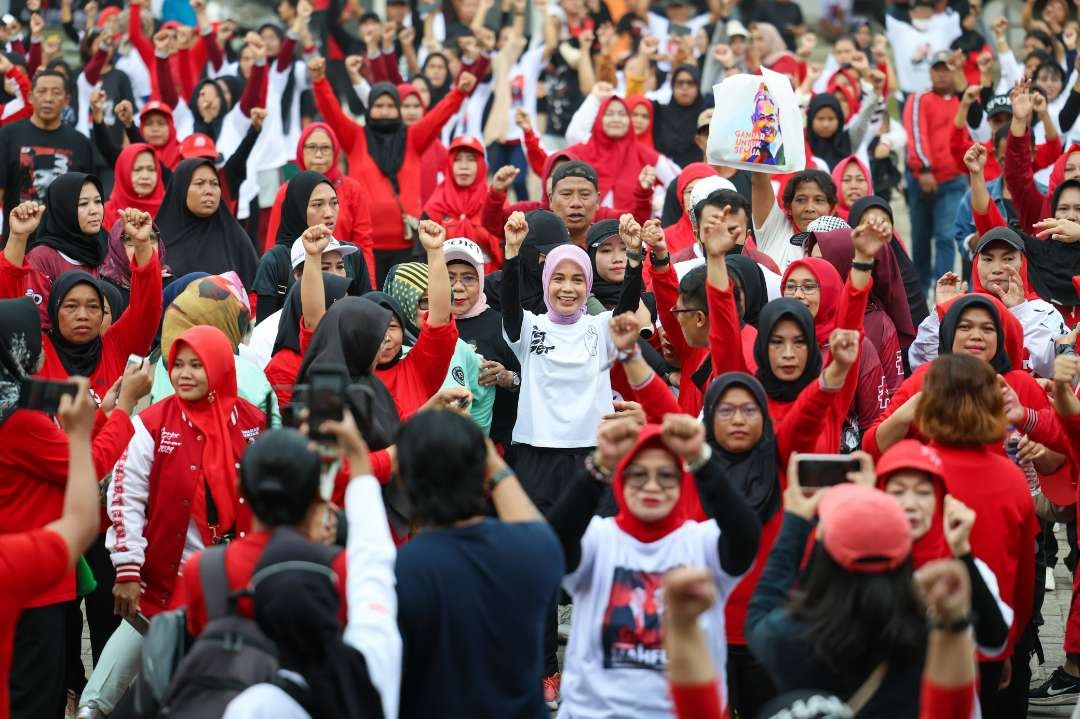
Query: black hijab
{"points": [[20, 348], [349, 336], [294, 207], [60, 224], [546, 232], [754, 473], [830, 149], [213, 127], [408, 328], [297, 607], [752, 280], [214, 244], [675, 125], [1054, 263], [782, 309], [236, 88], [78, 359], [438, 92], [116, 299], [1001, 361], [386, 138], [288, 334], [605, 291]]}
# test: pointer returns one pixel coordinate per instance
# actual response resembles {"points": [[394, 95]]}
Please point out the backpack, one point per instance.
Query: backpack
{"points": [[230, 655]]}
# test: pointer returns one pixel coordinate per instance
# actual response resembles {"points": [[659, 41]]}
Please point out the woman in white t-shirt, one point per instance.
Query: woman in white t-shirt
{"points": [[615, 659]]}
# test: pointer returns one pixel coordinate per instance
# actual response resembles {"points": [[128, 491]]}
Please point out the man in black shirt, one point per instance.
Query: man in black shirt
{"points": [[35, 151], [786, 16]]}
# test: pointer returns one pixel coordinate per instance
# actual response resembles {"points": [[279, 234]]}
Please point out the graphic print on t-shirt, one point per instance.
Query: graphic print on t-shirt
{"points": [[41, 165], [536, 343], [631, 635]]}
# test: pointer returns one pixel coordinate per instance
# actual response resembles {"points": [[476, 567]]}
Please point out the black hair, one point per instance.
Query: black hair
{"points": [[442, 458], [87, 44], [721, 199], [1062, 186], [1002, 135], [819, 177], [1042, 56], [854, 621], [50, 72], [692, 289], [369, 16], [1042, 36], [279, 476]]}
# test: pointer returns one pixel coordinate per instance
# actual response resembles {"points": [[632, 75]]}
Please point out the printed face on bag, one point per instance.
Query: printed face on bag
{"points": [[915, 492], [567, 288], [762, 144]]}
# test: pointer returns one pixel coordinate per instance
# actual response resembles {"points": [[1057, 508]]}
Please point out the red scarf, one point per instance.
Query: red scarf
{"points": [[123, 194], [831, 287], [681, 235], [933, 544], [617, 160], [632, 103], [649, 438], [334, 173], [213, 416], [458, 208], [169, 153]]}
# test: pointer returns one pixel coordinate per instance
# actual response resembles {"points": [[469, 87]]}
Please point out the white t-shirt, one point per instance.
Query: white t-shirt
{"points": [[774, 238], [615, 660], [906, 41], [523, 78], [260, 347], [565, 386]]}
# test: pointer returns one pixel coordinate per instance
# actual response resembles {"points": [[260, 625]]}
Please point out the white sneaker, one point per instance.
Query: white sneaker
{"points": [[1050, 584]]}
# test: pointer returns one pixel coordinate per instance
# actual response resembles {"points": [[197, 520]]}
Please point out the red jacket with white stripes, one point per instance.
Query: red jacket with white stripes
{"points": [[151, 495], [928, 120]]}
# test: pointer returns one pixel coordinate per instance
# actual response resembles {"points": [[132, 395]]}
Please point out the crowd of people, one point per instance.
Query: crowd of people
{"points": [[354, 363]]}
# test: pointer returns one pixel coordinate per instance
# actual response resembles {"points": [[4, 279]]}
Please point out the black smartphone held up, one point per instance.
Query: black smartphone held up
{"points": [[825, 470], [44, 395], [678, 30], [326, 399]]}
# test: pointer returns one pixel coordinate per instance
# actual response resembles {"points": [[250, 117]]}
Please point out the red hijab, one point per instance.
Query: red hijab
{"points": [[681, 234], [933, 544], [831, 287], [649, 438], [334, 173], [213, 417], [169, 153], [617, 160], [454, 207], [123, 194], [842, 209], [632, 103]]}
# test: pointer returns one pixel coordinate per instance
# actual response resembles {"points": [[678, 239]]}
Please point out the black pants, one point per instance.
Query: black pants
{"points": [[37, 663], [385, 259], [544, 473], [749, 683]]}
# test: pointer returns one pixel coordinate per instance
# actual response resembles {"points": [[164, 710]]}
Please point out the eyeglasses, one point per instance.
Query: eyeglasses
{"points": [[749, 411], [638, 478], [807, 288], [676, 309], [466, 280], [319, 149], [422, 304]]}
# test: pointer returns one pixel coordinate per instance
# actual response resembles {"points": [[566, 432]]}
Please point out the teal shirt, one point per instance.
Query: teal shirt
{"points": [[465, 372], [250, 381]]}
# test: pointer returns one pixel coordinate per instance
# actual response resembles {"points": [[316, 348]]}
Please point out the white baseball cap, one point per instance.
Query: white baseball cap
{"points": [[705, 187], [297, 254], [464, 250]]}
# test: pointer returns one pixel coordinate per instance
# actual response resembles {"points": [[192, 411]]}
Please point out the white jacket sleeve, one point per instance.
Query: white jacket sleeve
{"points": [[1007, 613], [925, 347], [580, 127], [129, 491], [372, 628], [1042, 324]]}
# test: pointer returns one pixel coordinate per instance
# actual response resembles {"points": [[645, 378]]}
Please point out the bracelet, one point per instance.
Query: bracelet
{"points": [[598, 473], [660, 261], [499, 476], [862, 266], [952, 626]]}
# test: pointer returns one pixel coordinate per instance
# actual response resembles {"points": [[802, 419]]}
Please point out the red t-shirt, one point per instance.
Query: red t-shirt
{"points": [[30, 563]]}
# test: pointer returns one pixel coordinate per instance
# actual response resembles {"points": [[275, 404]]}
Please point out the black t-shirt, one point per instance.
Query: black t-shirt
{"points": [[31, 158], [472, 606], [784, 15], [563, 93], [484, 333]]}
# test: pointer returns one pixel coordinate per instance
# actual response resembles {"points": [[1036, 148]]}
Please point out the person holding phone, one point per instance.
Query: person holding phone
{"points": [[174, 491]]}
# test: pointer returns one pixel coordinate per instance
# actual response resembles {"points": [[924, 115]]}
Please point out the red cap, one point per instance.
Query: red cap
{"points": [[155, 106], [198, 145], [863, 529], [909, 454], [105, 14]]}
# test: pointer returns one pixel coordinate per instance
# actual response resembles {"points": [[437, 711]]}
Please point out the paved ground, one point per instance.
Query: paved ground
{"points": [[1055, 612]]}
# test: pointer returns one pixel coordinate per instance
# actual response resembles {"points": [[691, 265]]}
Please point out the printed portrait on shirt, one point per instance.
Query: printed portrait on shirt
{"points": [[39, 166], [767, 144], [631, 635]]}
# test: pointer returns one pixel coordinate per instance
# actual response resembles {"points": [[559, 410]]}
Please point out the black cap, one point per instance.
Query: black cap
{"points": [[1001, 234], [370, 17], [574, 168], [600, 231], [279, 476], [999, 104]]}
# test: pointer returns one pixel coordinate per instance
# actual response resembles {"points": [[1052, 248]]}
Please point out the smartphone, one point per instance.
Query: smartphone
{"points": [[326, 399], [678, 30], [825, 470], [140, 623], [134, 361], [290, 413], [44, 395]]}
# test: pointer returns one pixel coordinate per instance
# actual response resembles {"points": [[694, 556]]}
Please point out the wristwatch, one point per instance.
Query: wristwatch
{"points": [[515, 381], [499, 476]]}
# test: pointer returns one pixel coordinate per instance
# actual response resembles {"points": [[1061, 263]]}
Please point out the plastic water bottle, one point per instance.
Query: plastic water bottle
{"points": [[1012, 449]]}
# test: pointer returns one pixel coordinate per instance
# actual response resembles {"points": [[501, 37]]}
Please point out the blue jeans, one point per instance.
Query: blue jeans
{"points": [[510, 153], [932, 221]]}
